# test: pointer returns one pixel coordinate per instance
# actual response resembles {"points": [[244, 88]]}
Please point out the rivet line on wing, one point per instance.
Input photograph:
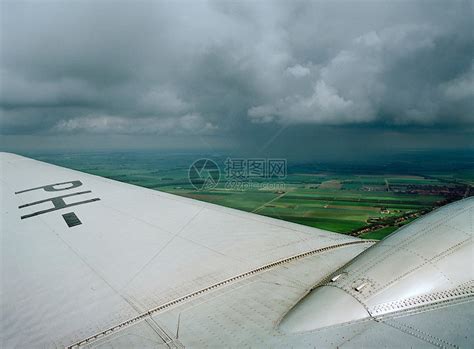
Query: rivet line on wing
{"points": [[210, 288]]}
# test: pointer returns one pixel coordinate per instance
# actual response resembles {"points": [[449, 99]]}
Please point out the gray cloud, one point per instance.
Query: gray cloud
{"points": [[391, 75], [186, 124], [237, 69]]}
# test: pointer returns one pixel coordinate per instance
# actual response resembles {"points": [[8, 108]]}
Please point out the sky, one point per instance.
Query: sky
{"points": [[302, 79]]}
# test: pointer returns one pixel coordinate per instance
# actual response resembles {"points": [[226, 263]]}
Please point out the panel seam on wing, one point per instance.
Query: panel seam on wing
{"points": [[413, 302], [187, 297], [415, 332]]}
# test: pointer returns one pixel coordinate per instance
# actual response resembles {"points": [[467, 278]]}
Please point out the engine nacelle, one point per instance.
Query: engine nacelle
{"points": [[422, 264]]}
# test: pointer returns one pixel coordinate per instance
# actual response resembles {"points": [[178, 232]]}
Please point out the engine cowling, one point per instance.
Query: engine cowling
{"points": [[423, 263]]}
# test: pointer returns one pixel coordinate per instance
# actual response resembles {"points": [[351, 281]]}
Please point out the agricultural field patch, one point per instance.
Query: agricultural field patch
{"points": [[368, 202]]}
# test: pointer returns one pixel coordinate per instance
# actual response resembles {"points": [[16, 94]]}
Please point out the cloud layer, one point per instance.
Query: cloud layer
{"points": [[234, 68]]}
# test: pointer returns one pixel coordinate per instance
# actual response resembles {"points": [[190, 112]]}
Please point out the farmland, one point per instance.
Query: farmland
{"points": [[365, 201]]}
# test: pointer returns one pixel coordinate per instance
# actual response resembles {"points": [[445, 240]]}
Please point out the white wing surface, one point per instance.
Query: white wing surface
{"points": [[88, 261]]}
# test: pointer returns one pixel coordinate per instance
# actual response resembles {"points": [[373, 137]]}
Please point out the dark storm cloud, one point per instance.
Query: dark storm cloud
{"points": [[234, 68]]}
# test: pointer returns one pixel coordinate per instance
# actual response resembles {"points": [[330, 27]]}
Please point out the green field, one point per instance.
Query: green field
{"points": [[333, 209], [336, 200], [379, 234]]}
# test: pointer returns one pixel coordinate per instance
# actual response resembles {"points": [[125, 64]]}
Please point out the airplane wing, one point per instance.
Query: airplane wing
{"points": [[91, 262]]}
